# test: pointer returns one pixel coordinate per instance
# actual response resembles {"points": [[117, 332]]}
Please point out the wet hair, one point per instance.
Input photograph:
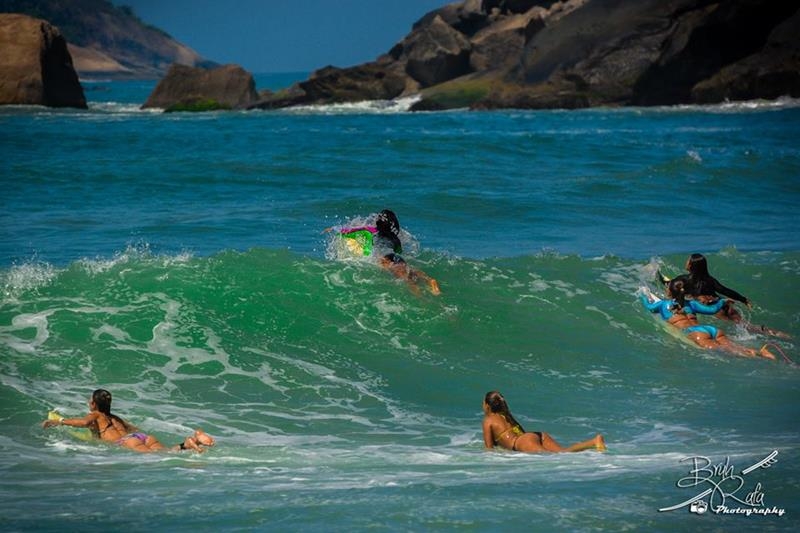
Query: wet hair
{"points": [[497, 404], [102, 401], [389, 229], [699, 279], [394, 259], [698, 266], [387, 223], [677, 290]]}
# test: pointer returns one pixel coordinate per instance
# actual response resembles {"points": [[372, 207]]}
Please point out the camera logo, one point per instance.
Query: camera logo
{"points": [[698, 507]]}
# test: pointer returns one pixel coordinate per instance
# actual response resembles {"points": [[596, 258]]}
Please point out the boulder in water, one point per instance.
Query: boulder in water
{"points": [[35, 64]]}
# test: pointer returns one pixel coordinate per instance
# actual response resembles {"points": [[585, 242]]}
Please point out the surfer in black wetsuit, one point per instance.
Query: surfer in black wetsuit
{"points": [[703, 285]]}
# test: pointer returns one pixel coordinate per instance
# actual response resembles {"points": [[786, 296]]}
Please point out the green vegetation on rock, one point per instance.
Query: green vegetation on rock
{"points": [[458, 93], [195, 106]]}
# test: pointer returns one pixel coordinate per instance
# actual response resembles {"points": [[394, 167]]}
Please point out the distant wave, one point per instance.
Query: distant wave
{"points": [[126, 108], [403, 105], [784, 102], [378, 107]]}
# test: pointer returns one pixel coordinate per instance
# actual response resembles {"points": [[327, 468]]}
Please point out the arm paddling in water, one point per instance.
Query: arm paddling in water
{"points": [[109, 427]]}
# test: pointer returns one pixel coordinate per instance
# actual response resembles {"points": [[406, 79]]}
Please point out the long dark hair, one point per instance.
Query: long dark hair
{"points": [[700, 281], [387, 223], [389, 229], [497, 404], [102, 401], [698, 267], [677, 291]]}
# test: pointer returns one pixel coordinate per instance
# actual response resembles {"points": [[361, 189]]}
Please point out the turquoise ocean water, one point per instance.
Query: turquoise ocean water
{"points": [[178, 260]]}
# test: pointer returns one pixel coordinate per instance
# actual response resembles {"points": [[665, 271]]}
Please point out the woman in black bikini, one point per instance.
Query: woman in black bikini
{"points": [[501, 429], [110, 428]]}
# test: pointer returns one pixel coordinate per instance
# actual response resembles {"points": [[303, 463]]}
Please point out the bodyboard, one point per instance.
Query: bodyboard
{"points": [[77, 433], [359, 242]]}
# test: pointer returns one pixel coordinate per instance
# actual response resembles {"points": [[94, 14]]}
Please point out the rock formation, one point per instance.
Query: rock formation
{"points": [[108, 40], [35, 65], [772, 73], [197, 89], [487, 54]]}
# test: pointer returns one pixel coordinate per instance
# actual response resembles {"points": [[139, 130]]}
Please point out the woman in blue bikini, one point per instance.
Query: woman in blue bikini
{"points": [[680, 313], [110, 428], [501, 429]]}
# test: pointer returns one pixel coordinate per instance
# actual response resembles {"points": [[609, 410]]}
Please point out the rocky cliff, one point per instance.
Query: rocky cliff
{"points": [[35, 65], [109, 41], [577, 53]]}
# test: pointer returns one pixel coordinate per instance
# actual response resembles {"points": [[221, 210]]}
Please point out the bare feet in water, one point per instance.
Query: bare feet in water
{"points": [[764, 352], [198, 442], [600, 443], [434, 287]]}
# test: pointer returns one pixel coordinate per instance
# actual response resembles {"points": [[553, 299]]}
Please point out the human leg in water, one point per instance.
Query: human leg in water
{"points": [[539, 441], [721, 342]]}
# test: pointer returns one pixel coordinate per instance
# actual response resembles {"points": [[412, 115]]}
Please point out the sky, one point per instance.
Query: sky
{"points": [[285, 35]]}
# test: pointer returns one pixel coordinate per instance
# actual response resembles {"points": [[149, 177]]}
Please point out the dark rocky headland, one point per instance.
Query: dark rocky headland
{"points": [[477, 54], [535, 54]]}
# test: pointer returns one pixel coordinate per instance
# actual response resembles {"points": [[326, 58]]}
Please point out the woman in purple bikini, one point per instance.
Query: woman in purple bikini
{"points": [[110, 428]]}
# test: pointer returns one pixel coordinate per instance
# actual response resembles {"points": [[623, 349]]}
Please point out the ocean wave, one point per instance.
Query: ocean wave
{"points": [[28, 276], [404, 104], [371, 107], [140, 252], [739, 106], [122, 108], [275, 323]]}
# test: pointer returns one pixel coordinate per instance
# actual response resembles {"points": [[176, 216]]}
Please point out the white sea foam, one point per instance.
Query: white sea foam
{"points": [[103, 109], [337, 249], [25, 277], [25, 321], [371, 107], [784, 102]]}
